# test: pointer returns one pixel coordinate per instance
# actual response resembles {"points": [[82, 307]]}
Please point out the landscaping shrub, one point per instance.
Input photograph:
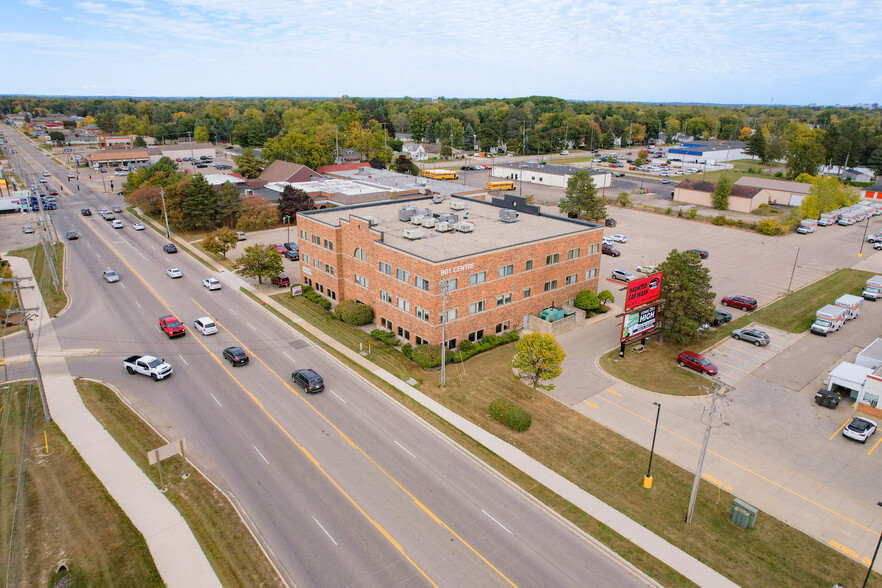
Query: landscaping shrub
{"points": [[386, 337], [427, 356], [466, 346], [779, 174], [668, 210], [407, 350], [354, 313], [510, 414], [769, 226], [587, 300], [692, 213], [720, 220]]}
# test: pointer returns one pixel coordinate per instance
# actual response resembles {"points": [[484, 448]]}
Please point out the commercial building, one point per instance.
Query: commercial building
{"points": [[501, 261], [777, 191], [708, 152], [873, 192], [547, 174], [285, 171], [741, 198], [406, 184], [118, 157]]}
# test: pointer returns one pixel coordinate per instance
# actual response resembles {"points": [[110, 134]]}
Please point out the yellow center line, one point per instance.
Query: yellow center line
{"points": [[361, 451], [875, 446], [749, 471], [266, 412], [839, 429]]}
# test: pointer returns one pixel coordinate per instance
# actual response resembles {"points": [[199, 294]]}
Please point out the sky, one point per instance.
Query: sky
{"points": [[735, 52]]}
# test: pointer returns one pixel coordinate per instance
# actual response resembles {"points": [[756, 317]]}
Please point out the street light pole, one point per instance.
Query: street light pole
{"points": [[875, 553], [287, 220], [647, 481], [864, 240], [794, 269], [165, 212], [445, 290]]}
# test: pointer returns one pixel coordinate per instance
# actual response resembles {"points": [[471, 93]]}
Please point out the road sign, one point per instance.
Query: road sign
{"points": [[68, 150]]}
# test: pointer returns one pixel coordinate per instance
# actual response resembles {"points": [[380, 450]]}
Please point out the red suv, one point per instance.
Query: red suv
{"points": [[745, 303], [609, 250], [697, 362], [171, 326], [281, 281]]}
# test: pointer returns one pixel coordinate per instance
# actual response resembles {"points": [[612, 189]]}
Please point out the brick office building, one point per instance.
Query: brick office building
{"points": [[502, 261]]}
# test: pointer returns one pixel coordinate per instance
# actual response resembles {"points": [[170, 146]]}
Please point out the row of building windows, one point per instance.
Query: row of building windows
{"points": [[474, 336]]}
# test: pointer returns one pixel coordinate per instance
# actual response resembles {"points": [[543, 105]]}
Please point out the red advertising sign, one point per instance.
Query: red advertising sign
{"points": [[643, 291]]}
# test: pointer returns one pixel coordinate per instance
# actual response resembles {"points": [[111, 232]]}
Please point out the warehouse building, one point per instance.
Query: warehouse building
{"points": [[709, 152], [546, 174], [500, 262]]}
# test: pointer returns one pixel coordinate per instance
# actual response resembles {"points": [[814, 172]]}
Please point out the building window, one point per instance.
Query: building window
{"points": [[451, 344], [329, 245], [527, 292], [419, 340], [552, 259], [421, 283], [329, 269], [502, 327], [403, 275], [451, 315], [421, 313], [403, 305], [304, 235], [317, 263], [476, 307], [386, 324], [506, 270], [592, 273], [305, 258], [552, 285], [332, 294], [478, 278], [360, 254], [385, 296], [594, 248], [529, 264], [385, 268], [320, 288], [404, 333], [452, 284], [573, 253], [308, 281], [503, 299], [476, 335], [361, 281], [316, 240], [571, 280]]}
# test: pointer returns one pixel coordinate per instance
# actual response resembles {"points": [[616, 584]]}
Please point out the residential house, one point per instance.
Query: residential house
{"points": [[285, 171]]}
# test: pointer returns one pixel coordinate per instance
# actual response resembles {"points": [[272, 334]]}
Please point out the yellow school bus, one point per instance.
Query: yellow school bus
{"points": [[508, 185], [439, 174]]}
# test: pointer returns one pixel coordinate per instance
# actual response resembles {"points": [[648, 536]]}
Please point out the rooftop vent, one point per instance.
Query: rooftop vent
{"points": [[428, 222], [371, 221], [449, 217], [413, 234], [443, 227], [436, 198], [417, 219], [464, 227], [406, 212], [508, 215], [456, 205]]}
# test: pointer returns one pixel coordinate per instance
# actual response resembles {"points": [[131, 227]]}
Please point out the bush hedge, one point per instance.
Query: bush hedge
{"points": [[429, 356], [354, 313], [386, 337], [310, 295], [510, 414]]}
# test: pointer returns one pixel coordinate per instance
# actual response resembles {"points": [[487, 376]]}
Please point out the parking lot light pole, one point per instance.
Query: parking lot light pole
{"points": [[864, 240], [793, 271], [647, 480], [875, 553], [287, 220]]}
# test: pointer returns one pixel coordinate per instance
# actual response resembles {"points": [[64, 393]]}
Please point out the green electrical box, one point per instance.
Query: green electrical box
{"points": [[742, 510]]}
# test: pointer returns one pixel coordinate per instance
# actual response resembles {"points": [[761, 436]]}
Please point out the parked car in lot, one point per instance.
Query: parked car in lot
{"points": [[877, 246], [110, 276], [745, 303], [170, 248], [280, 248], [27, 229], [205, 325], [174, 272], [310, 381], [702, 254], [619, 238], [623, 275], [293, 254], [211, 283], [804, 230], [236, 356], [722, 317], [697, 362], [608, 249], [240, 235], [827, 398], [281, 280], [647, 269], [758, 338], [859, 429], [610, 222], [874, 238]]}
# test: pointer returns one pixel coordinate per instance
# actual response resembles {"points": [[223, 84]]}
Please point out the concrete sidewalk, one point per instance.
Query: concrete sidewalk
{"points": [[177, 555]]}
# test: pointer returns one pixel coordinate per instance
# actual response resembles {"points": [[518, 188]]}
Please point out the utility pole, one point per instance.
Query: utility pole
{"points": [[445, 291], [165, 212], [26, 318], [717, 393]]}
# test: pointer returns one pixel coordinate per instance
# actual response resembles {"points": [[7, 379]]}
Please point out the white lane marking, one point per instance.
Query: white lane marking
{"points": [[138, 303], [264, 459], [98, 255], [182, 359], [289, 357], [123, 285], [323, 529], [250, 325], [341, 398], [497, 522], [405, 448], [216, 400], [233, 311]]}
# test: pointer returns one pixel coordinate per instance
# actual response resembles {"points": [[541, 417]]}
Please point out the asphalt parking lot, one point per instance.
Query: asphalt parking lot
{"points": [[738, 359]]}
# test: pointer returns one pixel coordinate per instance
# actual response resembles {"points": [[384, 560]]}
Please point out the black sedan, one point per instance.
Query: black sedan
{"points": [[72, 235], [170, 248], [236, 356], [702, 254]]}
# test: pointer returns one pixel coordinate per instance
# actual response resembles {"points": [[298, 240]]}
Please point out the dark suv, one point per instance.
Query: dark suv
{"points": [[310, 381], [293, 254], [609, 250], [827, 398], [236, 356]]}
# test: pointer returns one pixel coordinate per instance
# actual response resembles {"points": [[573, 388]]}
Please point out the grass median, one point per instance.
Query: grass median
{"points": [[69, 518], [55, 300], [232, 551], [606, 465]]}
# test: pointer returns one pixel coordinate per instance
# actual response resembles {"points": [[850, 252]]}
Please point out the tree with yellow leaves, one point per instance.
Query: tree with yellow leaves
{"points": [[538, 358]]}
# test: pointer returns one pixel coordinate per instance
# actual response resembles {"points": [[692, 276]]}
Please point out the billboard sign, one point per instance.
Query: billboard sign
{"points": [[643, 291], [639, 322]]}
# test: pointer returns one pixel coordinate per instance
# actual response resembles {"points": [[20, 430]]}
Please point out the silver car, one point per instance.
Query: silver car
{"points": [[758, 338], [623, 275], [110, 276]]}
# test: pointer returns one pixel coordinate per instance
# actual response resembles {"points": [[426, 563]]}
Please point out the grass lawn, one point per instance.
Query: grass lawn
{"points": [[55, 301], [232, 551], [608, 466], [69, 518]]}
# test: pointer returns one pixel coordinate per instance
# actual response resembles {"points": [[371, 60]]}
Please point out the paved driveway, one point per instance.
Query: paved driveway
{"points": [[738, 359]]}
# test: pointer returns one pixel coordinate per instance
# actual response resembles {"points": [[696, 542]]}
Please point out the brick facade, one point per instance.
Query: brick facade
{"points": [[357, 264]]}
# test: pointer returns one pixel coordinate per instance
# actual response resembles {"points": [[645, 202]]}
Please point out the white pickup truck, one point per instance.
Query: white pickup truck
{"points": [[148, 366]]}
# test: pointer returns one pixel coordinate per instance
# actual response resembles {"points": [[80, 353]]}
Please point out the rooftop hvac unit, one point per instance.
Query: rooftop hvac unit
{"points": [[465, 227], [371, 221], [417, 219], [448, 217], [428, 222], [423, 212], [507, 215], [443, 227], [413, 234], [455, 205], [436, 198], [406, 212]]}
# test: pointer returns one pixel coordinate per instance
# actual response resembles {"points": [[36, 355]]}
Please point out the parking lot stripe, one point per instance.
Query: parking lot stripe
{"points": [[839, 429], [749, 471], [875, 446], [717, 359]]}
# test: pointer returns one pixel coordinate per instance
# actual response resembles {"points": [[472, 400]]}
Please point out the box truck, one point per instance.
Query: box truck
{"points": [[828, 319], [852, 305], [873, 289]]}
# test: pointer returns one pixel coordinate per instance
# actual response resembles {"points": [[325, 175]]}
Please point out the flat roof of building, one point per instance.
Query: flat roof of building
{"points": [[548, 168], [333, 186], [395, 181], [771, 184], [489, 232]]}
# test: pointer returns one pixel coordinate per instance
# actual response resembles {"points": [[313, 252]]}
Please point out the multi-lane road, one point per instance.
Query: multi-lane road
{"points": [[343, 488]]}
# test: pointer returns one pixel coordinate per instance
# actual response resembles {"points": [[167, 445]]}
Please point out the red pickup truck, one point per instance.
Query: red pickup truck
{"points": [[172, 327]]}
